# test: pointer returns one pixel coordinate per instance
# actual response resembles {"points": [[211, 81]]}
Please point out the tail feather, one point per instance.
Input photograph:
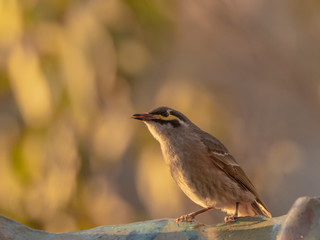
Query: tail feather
{"points": [[260, 209]]}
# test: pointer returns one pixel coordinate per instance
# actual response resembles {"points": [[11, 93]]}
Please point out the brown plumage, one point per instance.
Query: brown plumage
{"points": [[202, 166]]}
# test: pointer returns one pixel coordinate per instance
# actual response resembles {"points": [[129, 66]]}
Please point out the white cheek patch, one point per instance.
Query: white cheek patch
{"points": [[154, 131], [160, 132]]}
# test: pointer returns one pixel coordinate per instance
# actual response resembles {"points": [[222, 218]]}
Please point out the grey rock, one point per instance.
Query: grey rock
{"points": [[302, 222]]}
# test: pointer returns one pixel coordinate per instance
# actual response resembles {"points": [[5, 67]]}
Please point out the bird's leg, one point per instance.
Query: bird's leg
{"points": [[233, 217], [189, 217]]}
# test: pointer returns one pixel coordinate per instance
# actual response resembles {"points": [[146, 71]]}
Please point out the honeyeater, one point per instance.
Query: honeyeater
{"points": [[202, 166]]}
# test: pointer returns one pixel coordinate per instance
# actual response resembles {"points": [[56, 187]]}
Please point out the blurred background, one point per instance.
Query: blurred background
{"points": [[73, 72]]}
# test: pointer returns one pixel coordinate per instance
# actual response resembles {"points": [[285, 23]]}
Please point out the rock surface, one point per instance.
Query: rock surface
{"points": [[302, 222]]}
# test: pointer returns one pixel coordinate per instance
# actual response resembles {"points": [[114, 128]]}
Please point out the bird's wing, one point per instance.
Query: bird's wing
{"points": [[223, 160]]}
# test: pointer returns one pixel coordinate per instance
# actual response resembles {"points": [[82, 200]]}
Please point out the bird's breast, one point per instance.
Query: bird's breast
{"points": [[184, 169]]}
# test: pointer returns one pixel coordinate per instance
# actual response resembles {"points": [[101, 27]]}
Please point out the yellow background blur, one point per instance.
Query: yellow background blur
{"points": [[73, 72]]}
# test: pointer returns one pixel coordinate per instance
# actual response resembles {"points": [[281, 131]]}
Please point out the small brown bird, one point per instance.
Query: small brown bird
{"points": [[202, 166]]}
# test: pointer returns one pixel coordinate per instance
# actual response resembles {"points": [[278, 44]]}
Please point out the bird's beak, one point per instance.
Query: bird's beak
{"points": [[144, 116]]}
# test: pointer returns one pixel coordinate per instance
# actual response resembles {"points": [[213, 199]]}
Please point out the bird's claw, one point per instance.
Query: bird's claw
{"points": [[228, 219], [184, 218]]}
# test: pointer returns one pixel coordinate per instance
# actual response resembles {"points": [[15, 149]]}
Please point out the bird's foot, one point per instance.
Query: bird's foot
{"points": [[228, 219], [189, 217], [185, 218]]}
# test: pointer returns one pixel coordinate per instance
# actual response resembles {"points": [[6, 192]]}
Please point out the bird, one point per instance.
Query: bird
{"points": [[202, 167]]}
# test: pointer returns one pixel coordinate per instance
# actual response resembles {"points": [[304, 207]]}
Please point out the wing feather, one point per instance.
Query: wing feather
{"points": [[223, 160]]}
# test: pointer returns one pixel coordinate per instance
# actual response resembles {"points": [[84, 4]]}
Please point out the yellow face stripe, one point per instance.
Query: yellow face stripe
{"points": [[169, 118]]}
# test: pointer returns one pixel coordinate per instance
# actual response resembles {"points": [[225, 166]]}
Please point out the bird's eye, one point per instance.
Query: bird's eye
{"points": [[165, 114]]}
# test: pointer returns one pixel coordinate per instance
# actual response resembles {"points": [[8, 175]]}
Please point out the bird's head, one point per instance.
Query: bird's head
{"points": [[164, 122]]}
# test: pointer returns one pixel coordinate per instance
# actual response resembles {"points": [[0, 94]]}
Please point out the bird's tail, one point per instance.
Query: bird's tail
{"points": [[260, 208]]}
